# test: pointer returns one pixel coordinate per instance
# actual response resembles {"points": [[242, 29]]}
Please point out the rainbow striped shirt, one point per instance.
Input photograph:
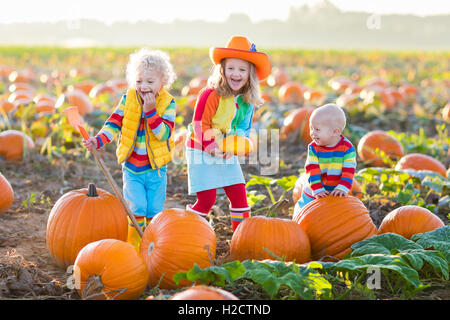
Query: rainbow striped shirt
{"points": [[162, 127], [330, 167]]}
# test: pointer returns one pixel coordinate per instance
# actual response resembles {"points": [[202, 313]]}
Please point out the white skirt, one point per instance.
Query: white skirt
{"points": [[207, 172]]}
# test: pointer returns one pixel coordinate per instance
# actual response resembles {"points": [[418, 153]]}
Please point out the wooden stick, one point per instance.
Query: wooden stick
{"points": [[116, 189]]}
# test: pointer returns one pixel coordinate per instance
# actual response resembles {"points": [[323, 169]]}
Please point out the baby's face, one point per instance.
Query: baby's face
{"points": [[148, 81], [322, 133], [237, 72]]}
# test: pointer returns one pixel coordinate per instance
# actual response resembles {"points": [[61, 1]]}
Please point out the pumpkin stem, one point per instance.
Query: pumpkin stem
{"points": [[93, 288], [92, 190]]}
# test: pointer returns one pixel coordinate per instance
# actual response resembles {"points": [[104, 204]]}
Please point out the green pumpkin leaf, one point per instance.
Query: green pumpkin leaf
{"points": [[438, 239], [387, 243]]}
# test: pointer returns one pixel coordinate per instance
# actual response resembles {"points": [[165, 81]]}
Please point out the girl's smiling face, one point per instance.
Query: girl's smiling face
{"points": [[237, 73], [148, 81]]}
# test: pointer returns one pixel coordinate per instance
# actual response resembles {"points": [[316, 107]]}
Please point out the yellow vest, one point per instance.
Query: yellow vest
{"points": [[159, 152]]}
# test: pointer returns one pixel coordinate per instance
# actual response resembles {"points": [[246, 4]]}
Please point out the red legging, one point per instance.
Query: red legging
{"points": [[235, 193]]}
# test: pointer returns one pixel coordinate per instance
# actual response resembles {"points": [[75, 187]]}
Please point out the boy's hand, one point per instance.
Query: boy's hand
{"points": [[149, 101], [322, 194], [338, 193], [89, 143]]}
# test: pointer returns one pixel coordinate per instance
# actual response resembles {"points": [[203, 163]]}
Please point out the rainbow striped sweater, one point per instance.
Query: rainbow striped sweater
{"points": [[328, 168], [162, 127]]}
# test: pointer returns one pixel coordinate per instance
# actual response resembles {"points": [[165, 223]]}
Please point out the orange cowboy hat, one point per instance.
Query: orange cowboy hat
{"points": [[240, 47]]}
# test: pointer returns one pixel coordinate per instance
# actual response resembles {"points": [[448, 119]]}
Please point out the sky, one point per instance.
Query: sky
{"points": [[110, 11]]}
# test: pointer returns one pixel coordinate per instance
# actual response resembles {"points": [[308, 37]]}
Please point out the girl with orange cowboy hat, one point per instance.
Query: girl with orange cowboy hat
{"points": [[225, 106]]}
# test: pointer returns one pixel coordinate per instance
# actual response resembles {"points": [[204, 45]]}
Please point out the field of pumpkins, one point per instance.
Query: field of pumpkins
{"points": [[63, 231]]}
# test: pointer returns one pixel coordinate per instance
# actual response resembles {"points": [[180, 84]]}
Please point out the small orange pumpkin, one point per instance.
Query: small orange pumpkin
{"points": [[13, 144], [110, 269], [298, 119], [282, 237], [7, 194], [102, 88], [418, 161], [409, 220], [340, 83], [314, 95], [7, 106], [237, 145], [277, 78], [85, 86], [409, 89], [80, 217], [291, 92], [202, 292], [383, 141], [174, 240], [76, 98], [194, 86], [333, 224], [446, 112]]}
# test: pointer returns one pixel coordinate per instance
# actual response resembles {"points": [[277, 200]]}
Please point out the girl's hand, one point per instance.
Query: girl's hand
{"points": [[322, 194], [149, 101], [89, 143], [216, 152], [338, 193]]}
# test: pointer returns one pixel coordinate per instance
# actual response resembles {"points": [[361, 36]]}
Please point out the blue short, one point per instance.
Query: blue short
{"points": [[145, 193]]}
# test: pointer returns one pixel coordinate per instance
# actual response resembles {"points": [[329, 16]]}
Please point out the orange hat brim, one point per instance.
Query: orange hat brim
{"points": [[259, 59]]}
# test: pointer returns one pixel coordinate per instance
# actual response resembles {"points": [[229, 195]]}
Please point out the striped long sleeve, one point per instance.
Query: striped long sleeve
{"points": [[112, 125], [328, 168], [162, 127]]}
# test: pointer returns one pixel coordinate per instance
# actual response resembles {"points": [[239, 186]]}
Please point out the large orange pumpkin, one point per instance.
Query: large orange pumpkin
{"points": [[333, 224], [282, 237], [382, 141], [80, 217], [76, 98], [202, 292], [409, 220], [418, 161], [110, 269], [298, 120], [174, 240], [7, 194], [237, 145], [13, 144], [298, 188]]}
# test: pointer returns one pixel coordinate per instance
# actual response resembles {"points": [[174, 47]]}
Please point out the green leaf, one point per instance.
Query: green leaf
{"points": [[384, 262], [216, 275], [419, 257], [438, 239], [253, 198], [387, 243], [255, 180], [287, 183], [305, 282]]}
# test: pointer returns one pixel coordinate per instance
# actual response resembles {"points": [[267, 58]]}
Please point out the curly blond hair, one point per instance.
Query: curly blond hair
{"points": [[146, 59]]}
